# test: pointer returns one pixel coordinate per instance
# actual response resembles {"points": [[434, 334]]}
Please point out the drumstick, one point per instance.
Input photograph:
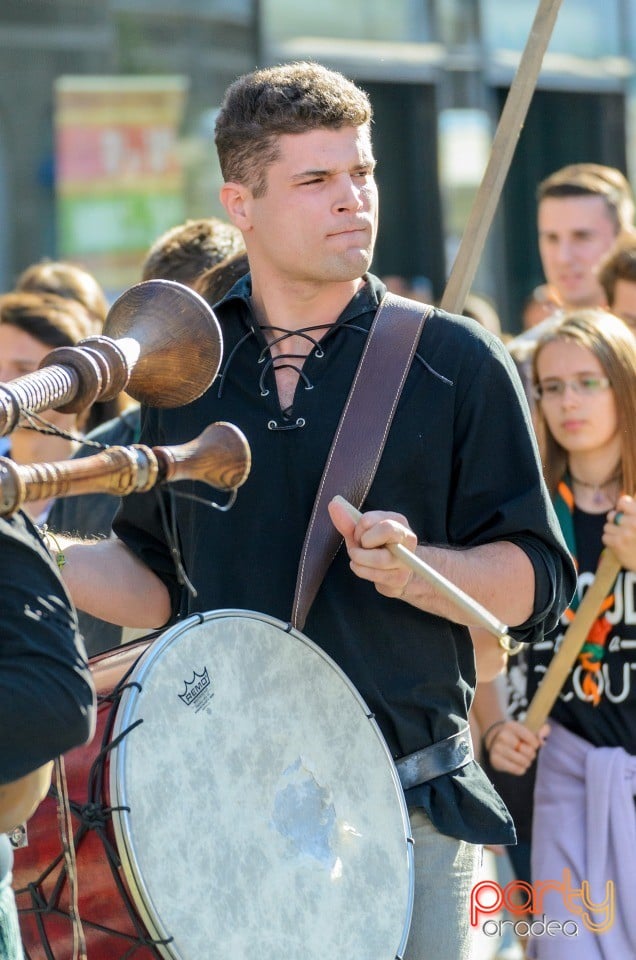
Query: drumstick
{"points": [[483, 618], [573, 640]]}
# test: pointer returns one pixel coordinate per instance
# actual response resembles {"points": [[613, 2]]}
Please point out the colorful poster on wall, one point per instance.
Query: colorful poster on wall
{"points": [[118, 176]]}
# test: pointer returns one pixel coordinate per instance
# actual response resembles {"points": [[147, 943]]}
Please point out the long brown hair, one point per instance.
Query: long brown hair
{"points": [[614, 346], [66, 280], [73, 284], [52, 320]]}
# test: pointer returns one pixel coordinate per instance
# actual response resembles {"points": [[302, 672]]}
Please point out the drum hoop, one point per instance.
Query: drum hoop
{"points": [[122, 719]]}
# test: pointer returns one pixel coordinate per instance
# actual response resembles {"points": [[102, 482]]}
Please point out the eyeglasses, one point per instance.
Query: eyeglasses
{"points": [[584, 386]]}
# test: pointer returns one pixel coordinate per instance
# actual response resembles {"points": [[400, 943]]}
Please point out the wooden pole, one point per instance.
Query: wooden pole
{"points": [[574, 638], [503, 147]]}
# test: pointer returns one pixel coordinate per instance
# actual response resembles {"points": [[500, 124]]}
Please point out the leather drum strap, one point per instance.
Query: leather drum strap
{"points": [[359, 440]]}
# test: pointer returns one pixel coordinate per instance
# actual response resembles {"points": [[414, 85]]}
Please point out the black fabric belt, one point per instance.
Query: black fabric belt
{"points": [[439, 758]]}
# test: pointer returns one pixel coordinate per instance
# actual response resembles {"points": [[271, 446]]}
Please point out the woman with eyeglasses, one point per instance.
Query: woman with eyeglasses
{"points": [[584, 822]]}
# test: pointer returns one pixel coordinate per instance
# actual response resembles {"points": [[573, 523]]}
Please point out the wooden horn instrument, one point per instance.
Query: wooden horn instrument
{"points": [[161, 343], [220, 456]]}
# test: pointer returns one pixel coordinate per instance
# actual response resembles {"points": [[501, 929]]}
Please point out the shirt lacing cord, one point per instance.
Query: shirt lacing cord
{"points": [[299, 422], [275, 363], [285, 360]]}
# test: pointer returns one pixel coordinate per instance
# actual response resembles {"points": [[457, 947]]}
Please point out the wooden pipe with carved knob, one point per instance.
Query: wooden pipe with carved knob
{"points": [[220, 457]]}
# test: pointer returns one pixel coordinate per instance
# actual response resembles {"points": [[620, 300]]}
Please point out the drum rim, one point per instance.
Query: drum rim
{"points": [[138, 889]]}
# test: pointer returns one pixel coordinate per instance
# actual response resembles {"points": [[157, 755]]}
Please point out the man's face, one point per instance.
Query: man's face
{"points": [[575, 233], [317, 221], [624, 302]]}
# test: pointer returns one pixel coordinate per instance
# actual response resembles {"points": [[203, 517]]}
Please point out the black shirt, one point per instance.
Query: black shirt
{"points": [[459, 463], [611, 722], [46, 692]]}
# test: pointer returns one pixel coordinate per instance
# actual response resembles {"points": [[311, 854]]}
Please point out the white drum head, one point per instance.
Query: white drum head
{"points": [[263, 817]]}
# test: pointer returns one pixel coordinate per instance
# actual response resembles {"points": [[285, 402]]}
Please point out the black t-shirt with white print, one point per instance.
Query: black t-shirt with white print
{"points": [[612, 722]]}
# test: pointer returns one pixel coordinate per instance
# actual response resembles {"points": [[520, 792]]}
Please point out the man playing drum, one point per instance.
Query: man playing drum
{"points": [[458, 481]]}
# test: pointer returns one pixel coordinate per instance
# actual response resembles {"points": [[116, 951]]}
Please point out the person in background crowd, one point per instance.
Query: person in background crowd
{"points": [[584, 374], [187, 250], [31, 325], [72, 282], [617, 276], [47, 699], [581, 210], [67, 280], [541, 304], [295, 148]]}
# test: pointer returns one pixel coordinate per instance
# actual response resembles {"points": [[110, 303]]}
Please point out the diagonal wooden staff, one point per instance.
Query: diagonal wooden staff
{"points": [[573, 639], [503, 147]]}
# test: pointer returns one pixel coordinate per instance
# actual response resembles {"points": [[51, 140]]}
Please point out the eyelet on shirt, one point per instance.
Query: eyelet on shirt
{"points": [[274, 425]]}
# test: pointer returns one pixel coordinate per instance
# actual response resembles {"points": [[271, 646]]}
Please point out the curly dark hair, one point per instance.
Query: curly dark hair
{"points": [[218, 280], [186, 251], [290, 98]]}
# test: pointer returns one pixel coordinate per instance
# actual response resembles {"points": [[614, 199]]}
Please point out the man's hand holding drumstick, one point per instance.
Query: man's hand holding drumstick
{"points": [[367, 545], [487, 585]]}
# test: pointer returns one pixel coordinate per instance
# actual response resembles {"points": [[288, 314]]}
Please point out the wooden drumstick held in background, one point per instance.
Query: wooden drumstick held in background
{"points": [[573, 639], [481, 616], [220, 456]]}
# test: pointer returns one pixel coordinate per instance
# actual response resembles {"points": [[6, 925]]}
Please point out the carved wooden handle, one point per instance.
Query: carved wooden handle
{"points": [[220, 457]]}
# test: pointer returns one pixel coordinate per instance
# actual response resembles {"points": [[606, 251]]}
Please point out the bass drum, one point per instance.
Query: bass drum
{"points": [[110, 922], [253, 808]]}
